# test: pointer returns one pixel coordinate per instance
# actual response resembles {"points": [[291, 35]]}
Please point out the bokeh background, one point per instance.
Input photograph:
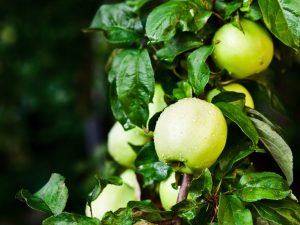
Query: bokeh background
{"points": [[54, 112]]}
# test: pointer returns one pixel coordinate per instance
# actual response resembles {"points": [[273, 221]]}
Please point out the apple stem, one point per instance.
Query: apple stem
{"points": [[184, 187]]}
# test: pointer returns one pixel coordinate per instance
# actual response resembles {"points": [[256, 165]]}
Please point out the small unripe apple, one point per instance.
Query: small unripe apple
{"points": [[119, 142], [168, 195], [190, 135], [235, 87], [243, 52], [114, 197], [158, 102]]}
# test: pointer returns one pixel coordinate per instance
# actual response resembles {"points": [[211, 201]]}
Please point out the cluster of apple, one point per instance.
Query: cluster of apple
{"points": [[191, 133]]}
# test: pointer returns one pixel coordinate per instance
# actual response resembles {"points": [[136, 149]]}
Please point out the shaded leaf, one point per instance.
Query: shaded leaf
{"points": [[227, 8], [262, 185], [201, 184], [198, 70], [282, 18], [184, 15], [119, 23], [70, 219], [235, 114], [51, 198], [284, 212], [232, 212], [183, 90], [233, 154], [134, 77], [136, 4], [278, 148], [231, 97], [177, 45]]}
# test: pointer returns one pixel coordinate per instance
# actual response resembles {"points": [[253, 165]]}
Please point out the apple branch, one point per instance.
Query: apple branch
{"points": [[184, 187]]}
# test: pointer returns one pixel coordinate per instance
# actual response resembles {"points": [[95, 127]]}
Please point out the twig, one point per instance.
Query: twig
{"points": [[184, 188]]}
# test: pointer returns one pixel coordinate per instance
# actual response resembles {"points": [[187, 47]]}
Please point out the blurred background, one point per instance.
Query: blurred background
{"points": [[54, 113]]}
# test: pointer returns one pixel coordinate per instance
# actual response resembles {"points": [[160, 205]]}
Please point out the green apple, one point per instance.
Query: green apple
{"points": [[158, 102], [168, 195], [119, 142], [190, 135], [114, 197], [243, 52], [235, 87]]}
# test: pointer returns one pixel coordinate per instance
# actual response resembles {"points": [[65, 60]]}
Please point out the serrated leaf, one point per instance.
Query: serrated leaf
{"points": [[186, 209], [235, 114], [119, 23], [284, 212], [233, 154], [184, 15], [117, 109], [70, 219], [198, 70], [201, 184], [177, 45], [134, 78], [51, 198], [278, 148], [282, 17], [262, 185], [232, 212]]}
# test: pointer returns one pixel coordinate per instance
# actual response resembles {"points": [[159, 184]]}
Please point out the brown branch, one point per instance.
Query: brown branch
{"points": [[184, 188]]}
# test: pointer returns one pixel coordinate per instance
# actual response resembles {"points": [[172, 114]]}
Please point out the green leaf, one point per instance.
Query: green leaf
{"points": [[117, 109], [198, 70], [51, 198], [284, 212], [201, 184], [136, 4], [231, 97], [262, 185], [233, 154], [134, 84], [278, 148], [183, 90], [227, 8], [254, 13], [282, 19], [149, 166], [135, 211], [119, 23], [177, 45], [101, 184], [186, 209], [184, 15], [235, 114], [70, 219], [232, 212]]}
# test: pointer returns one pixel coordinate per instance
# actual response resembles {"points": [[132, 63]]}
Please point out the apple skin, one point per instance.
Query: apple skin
{"points": [[190, 133], [158, 102], [168, 195], [243, 53], [114, 197], [118, 144], [235, 87]]}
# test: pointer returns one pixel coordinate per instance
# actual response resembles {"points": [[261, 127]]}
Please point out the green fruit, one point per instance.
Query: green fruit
{"points": [[114, 197], [190, 135], [168, 195], [119, 142], [235, 87], [242, 52], [158, 101]]}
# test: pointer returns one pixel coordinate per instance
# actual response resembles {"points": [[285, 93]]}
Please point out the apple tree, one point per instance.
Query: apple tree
{"points": [[188, 130]]}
